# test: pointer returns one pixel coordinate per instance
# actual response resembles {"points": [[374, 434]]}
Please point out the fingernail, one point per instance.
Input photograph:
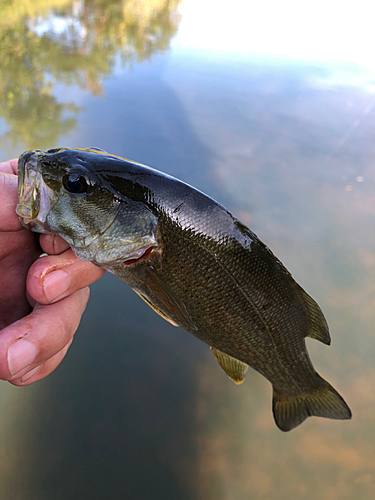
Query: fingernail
{"points": [[29, 374], [21, 354], [55, 285]]}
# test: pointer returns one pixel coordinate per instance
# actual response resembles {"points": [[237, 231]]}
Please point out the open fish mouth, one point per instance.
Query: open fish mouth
{"points": [[35, 197]]}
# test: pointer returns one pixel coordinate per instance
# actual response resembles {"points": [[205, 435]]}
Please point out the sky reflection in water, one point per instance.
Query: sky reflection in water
{"points": [[280, 134]]}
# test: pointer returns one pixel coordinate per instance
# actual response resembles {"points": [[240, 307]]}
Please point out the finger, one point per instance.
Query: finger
{"points": [[10, 166], [38, 337], [54, 277], [53, 244], [9, 220], [42, 370]]}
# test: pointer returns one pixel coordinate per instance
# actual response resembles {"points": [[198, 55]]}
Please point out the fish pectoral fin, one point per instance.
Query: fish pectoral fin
{"points": [[324, 401], [156, 309], [318, 325], [168, 297], [235, 369]]}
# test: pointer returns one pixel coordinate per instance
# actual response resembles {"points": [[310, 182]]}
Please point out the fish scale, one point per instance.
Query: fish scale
{"points": [[233, 327], [192, 261]]}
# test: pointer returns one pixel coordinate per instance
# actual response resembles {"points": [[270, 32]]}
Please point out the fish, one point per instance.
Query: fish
{"points": [[191, 261]]}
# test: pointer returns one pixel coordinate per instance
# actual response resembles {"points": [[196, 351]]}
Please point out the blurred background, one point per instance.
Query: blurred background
{"points": [[269, 108]]}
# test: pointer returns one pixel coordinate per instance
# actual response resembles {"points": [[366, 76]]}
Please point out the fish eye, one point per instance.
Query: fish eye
{"points": [[75, 183]]}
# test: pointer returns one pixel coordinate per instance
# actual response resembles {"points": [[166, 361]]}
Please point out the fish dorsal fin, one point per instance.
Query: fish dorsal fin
{"points": [[168, 297], [156, 309], [235, 369], [318, 325]]}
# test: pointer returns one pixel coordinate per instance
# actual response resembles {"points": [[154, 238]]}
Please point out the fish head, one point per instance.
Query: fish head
{"points": [[65, 192]]}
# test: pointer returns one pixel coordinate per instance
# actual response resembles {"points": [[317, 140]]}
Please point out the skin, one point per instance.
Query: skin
{"points": [[41, 299]]}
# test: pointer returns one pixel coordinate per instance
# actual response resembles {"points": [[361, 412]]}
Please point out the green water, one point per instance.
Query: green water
{"points": [[140, 409]]}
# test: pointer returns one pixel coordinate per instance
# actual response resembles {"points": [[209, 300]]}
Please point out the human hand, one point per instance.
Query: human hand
{"points": [[41, 299]]}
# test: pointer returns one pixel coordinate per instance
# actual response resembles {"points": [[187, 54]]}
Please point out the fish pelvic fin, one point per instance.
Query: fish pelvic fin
{"points": [[318, 329], [234, 368], [324, 401]]}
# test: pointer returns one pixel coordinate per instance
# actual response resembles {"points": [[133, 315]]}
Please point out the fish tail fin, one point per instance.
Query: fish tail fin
{"points": [[324, 401]]}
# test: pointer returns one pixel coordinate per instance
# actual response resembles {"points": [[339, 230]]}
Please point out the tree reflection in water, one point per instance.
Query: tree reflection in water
{"points": [[76, 43]]}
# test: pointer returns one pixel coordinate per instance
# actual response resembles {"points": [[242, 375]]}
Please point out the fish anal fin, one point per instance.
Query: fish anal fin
{"points": [[235, 369], [156, 309], [318, 325], [325, 401]]}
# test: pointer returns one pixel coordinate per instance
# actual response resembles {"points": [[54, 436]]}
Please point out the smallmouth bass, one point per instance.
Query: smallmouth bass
{"points": [[189, 259]]}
